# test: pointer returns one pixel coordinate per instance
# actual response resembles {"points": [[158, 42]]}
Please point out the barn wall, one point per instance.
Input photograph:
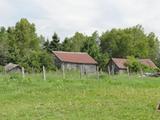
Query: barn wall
{"points": [[86, 68], [114, 69]]}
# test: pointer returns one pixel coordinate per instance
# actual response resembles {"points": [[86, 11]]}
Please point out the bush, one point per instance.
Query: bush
{"points": [[36, 60], [1, 68], [133, 64]]}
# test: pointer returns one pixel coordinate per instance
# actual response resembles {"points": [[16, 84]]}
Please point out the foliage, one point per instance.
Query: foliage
{"points": [[46, 46], [130, 42], [54, 44], [4, 53], [74, 43], [36, 60], [1, 69], [133, 64], [20, 44]]}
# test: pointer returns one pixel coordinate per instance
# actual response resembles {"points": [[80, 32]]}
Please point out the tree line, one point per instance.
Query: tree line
{"points": [[20, 44]]}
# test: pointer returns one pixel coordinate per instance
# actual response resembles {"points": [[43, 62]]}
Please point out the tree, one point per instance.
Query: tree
{"points": [[91, 46], [4, 53], [74, 43], [25, 47], [153, 48], [67, 44], [46, 46], [129, 42], [55, 43], [25, 40]]}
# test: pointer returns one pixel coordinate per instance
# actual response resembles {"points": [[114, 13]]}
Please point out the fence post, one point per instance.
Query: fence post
{"points": [[63, 71], [44, 73], [109, 72], [141, 72], [128, 71], [97, 69], [81, 71], [23, 74]]}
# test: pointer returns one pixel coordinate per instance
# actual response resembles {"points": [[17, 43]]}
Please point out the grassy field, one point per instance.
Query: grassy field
{"points": [[109, 98]]}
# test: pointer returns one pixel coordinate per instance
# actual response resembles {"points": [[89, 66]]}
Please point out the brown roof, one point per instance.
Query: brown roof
{"points": [[121, 62], [148, 63], [74, 57]]}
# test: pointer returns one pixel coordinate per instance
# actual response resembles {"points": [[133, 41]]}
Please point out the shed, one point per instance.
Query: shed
{"points": [[117, 65], [12, 68], [75, 61]]}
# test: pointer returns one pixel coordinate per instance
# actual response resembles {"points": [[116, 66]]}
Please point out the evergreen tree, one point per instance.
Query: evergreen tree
{"points": [[55, 43], [46, 46]]}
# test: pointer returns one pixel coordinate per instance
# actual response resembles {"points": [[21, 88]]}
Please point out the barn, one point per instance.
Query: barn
{"points": [[75, 61], [117, 65], [12, 68]]}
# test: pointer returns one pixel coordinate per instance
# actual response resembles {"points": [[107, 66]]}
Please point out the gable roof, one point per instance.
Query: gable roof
{"points": [[74, 57], [120, 62], [10, 66], [148, 62]]}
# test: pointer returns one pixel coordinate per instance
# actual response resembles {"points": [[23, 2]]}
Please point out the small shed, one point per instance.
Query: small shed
{"points": [[12, 68], [118, 65], [75, 61]]}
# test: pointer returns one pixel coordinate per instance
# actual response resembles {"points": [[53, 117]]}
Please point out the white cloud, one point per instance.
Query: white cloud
{"points": [[68, 16]]}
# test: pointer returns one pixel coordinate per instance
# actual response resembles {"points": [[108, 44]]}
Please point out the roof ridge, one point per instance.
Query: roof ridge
{"points": [[70, 52]]}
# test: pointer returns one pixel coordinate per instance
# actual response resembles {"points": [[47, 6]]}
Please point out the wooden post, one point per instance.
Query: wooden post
{"points": [[158, 107], [81, 71], [63, 71], [141, 72], [44, 73], [23, 74], [97, 69], [128, 71], [109, 71]]}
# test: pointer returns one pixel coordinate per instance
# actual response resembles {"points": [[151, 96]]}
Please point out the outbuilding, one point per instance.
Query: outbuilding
{"points": [[75, 61], [12, 68], [118, 65]]}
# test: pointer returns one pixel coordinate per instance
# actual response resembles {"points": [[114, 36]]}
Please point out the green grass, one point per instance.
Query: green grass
{"points": [[75, 98]]}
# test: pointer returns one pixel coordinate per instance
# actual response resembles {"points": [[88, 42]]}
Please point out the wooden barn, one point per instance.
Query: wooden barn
{"points": [[117, 65], [75, 61], [12, 68]]}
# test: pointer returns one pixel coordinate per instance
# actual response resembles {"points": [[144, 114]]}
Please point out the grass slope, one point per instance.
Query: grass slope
{"points": [[110, 98]]}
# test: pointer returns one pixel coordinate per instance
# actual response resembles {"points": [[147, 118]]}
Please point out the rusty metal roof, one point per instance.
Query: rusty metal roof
{"points": [[120, 62], [74, 57]]}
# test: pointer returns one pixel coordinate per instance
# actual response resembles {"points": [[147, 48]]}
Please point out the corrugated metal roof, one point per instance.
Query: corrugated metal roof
{"points": [[74, 57]]}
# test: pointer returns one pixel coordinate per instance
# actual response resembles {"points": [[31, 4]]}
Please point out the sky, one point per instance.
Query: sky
{"points": [[66, 17]]}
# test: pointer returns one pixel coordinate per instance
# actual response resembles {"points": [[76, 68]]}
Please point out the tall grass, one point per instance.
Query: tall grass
{"points": [[118, 97]]}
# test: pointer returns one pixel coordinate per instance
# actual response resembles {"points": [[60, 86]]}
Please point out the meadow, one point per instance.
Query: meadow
{"points": [[116, 97]]}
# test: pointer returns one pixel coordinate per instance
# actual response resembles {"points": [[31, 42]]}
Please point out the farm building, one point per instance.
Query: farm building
{"points": [[117, 65], [12, 68], [75, 61]]}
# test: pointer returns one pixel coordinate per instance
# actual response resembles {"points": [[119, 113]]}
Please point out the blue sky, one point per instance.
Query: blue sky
{"points": [[68, 16]]}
